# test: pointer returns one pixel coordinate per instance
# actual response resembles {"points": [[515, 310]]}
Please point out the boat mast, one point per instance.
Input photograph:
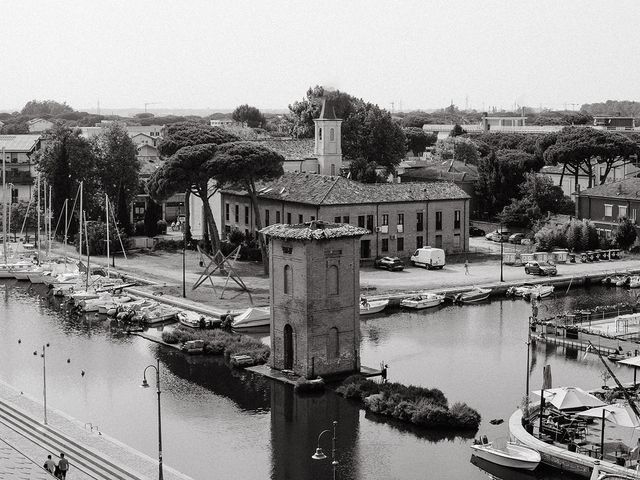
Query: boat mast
{"points": [[4, 206], [50, 215], [38, 229], [86, 237], [80, 227], [66, 229], [106, 206]]}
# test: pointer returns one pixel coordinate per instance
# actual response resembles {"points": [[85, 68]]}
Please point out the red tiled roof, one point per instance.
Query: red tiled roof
{"points": [[316, 230], [291, 148], [628, 188]]}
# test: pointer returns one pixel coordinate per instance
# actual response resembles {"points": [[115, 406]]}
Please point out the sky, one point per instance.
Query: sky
{"points": [[412, 54]]}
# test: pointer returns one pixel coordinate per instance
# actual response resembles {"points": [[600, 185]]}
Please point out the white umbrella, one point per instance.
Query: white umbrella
{"points": [[568, 398], [617, 413]]}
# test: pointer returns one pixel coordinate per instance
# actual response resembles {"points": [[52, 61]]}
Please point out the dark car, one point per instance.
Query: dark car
{"points": [[476, 232], [516, 238], [540, 268], [390, 263], [498, 236]]}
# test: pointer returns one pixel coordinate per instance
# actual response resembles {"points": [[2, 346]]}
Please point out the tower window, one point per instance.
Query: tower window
{"points": [[288, 280], [332, 280], [320, 133], [333, 343], [332, 134]]}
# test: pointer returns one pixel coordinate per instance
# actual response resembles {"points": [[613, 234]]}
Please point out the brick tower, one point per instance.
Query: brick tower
{"points": [[315, 291]]}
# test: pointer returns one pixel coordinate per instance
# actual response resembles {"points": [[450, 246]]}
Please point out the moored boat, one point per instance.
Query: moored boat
{"points": [[253, 317], [477, 294], [634, 281], [511, 455], [374, 306], [192, 319], [425, 300]]}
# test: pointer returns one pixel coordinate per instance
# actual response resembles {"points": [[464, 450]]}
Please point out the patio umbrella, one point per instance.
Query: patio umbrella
{"points": [[570, 398], [632, 362], [617, 413]]}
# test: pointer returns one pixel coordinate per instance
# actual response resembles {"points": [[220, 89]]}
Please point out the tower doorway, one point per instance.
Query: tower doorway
{"points": [[288, 347]]}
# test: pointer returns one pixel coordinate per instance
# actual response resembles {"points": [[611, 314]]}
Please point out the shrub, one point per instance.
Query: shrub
{"points": [[96, 239], [170, 336], [235, 237], [161, 226], [431, 415], [465, 415], [625, 234], [139, 227]]}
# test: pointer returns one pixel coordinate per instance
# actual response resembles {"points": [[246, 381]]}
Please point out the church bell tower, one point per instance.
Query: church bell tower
{"points": [[328, 147]]}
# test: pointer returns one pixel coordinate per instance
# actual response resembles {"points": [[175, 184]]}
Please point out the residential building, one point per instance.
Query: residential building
{"points": [[609, 122], [400, 217], [20, 168], [144, 139], [38, 125], [226, 122], [606, 204]]}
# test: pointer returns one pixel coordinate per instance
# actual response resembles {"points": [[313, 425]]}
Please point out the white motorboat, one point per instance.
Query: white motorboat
{"points": [[374, 306], [157, 313], [253, 317], [511, 455], [472, 296], [634, 281], [425, 300], [192, 319], [533, 291]]}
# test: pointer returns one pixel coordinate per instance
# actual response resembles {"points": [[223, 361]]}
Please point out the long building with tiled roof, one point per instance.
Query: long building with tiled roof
{"points": [[400, 217]]}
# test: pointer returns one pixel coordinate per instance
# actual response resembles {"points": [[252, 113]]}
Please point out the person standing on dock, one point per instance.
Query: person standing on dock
{"points": [[466, 266]]}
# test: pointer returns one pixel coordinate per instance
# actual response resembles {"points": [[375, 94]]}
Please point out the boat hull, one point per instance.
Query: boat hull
{"points": [[510, 459], [374, 306], [420, 304]]}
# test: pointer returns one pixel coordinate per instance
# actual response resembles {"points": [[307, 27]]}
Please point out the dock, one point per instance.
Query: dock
{"points": [[290, 378]]}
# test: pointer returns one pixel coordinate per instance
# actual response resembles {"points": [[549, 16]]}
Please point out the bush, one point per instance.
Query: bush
{"points": [[235, 237], [139, 227], [96, 239], [625, 234], [161, 226]]}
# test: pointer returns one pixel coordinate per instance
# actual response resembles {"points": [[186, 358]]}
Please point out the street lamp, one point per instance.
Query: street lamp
{"points": [[319, 455], [145, 384], [501, 253], [44, 377]]}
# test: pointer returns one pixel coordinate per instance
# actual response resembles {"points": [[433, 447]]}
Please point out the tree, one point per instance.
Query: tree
{"points": [[119, 170], [17, 220], [625, 234], [152, 214], [457, 130], [244, 164], [189, 175], [418, 140], [365, 172], [458, 148], [45, 107], [67, 160], [249, 115]]}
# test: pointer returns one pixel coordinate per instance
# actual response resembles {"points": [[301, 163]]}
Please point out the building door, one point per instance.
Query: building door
{"points": [[365, 248], [438, 241], [288, 347]]}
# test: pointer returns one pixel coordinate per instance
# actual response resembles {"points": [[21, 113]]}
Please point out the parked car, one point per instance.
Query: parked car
{"points": [[428, 257], [516, 238], [498, 236], [476, 232], [390, 263], [540, 268]]}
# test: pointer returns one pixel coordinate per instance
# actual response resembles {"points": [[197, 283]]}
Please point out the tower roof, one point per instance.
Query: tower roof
{"points": [[327, 112], [315, 230]]}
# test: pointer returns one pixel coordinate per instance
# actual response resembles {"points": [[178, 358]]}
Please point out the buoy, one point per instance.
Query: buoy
{"points": [[68, 360]]}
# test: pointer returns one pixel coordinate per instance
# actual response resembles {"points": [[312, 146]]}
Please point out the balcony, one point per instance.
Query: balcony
{"points": [[19, 177]]}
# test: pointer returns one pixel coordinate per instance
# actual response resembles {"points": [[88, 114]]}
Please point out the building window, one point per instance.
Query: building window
{"points": [[385, 219], [288, 280], [633, 215], [333, 170], [227, 229], [300, 219], [266, 217], [332, 135], [336, 219], [289, 218], [420, 221], [438, 241], [400, 226], [370, 223], [345, 219], [622, 211], [400, 246], [456, 219], [246, 215], [332, 280], [14, 195], [419, 241], [608, 210], [385, 245], [456, 240], [333, 343], [320, 133], [237, 213], [312, 218], [438, 220], [226, 211], [277, 216], [14, 157], [287, 250], [361, 221]]}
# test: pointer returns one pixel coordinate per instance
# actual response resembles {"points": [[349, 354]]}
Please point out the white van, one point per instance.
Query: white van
{"points": [[428, 257]]}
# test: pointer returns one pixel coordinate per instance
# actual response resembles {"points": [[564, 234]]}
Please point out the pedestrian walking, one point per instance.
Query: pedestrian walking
{"points": [[49, 465], [466, 266], [63, 466]]}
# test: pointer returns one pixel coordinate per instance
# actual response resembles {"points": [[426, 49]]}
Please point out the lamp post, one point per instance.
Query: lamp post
{"points": [[501, 253], [319, 455], [145, 384], [44, 377]]}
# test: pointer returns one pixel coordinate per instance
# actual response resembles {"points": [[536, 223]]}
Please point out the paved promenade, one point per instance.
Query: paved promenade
{"points": [[92, 454]]}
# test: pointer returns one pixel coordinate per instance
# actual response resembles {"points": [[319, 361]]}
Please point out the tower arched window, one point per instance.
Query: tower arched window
{"points": [[332, 134], [288, 280], [332, 280], [333, 343], [320, 133]]}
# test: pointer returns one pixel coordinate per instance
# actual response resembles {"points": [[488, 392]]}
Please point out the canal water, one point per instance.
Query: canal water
{"points": [[230, 424]]}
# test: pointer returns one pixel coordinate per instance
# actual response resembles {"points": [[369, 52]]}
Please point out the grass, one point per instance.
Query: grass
{"points": [[427, 407], [220, 342]]}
